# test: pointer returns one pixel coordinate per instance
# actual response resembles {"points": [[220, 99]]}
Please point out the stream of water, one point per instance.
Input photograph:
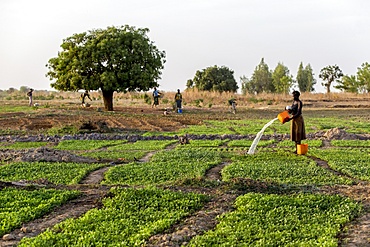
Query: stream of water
{"points": [[252, 149]]}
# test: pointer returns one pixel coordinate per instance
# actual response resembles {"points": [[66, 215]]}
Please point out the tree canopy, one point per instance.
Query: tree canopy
{"points": [[363, 77], [117, 59], [356, 84], [261, 80], [281, 79], [305, 78], [349, 83], [214, 78], [330, 74]]}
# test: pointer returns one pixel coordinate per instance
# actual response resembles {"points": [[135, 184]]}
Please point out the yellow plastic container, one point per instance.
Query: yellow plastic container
{"points": [[283, 116], [302, 148]]}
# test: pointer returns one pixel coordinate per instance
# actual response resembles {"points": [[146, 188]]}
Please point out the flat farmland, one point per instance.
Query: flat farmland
{"points": [[76, 176]]}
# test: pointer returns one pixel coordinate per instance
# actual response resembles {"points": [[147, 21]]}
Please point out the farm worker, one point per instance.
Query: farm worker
{"points": [[84, 95], [297, 128], [29, 94], [232, 103], [178, 100], [156, 95]]}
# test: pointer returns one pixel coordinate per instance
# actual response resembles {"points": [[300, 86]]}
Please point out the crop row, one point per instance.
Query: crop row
{"points": [[354, 162], [282, 220], [18, 206], [54, 172], [151, 145], [253, 126], [129, 218], [281, 167], [165, 167], [273, 165]]}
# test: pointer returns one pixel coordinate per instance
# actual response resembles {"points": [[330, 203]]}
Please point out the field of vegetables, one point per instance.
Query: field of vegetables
{"points": [[209, 192]]}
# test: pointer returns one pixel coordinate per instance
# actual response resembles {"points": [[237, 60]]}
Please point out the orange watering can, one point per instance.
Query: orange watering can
{"points": [[283, 116]]}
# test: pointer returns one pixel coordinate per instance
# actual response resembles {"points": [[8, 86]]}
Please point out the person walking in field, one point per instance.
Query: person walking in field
{"points": [[297, 127], [156, 95], [29, 94], [178, 100]]}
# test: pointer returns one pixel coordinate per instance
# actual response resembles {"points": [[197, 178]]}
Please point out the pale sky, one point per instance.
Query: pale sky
{"points": [[195, 34]]}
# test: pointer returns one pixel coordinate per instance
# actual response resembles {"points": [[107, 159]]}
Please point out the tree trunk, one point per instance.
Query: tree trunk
{"points": [[328, 87], [108, 100]]}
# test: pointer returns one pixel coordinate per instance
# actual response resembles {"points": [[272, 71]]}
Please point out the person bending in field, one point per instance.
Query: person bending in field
{"points": [[84, 95], [297, 128]]}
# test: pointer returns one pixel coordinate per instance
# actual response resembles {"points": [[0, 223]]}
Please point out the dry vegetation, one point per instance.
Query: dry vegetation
{"points": [[194, 98]]}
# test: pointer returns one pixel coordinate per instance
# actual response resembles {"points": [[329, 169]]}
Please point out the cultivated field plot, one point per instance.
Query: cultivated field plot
{"points": [[121, 185]]}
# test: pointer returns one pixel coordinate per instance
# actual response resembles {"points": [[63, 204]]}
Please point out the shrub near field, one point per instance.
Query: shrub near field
{"points": [[280, 167], [127, 219], [282, 220], [20, 206], [165, 167]]}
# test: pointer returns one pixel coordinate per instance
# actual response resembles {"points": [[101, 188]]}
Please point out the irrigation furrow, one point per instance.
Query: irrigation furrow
{"points": [[202, 220], [198, 223], [324, 164], [357, 231], [215, 172], [95, 177]]}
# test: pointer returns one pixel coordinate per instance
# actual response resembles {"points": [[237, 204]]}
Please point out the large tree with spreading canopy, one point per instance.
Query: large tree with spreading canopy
{"points": [[116, 59]]}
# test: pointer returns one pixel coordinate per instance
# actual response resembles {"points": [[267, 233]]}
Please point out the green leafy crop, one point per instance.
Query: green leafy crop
{"points": [[165, 167], [276, 220], [129, 218], [20, 206], [58, 172], [280, 167]]}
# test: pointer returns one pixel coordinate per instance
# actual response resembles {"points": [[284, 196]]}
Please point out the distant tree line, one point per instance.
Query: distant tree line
{"points": [[280, 80]]}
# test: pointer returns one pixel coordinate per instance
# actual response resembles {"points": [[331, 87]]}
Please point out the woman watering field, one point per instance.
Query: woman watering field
{"points": [[297, 128]]}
